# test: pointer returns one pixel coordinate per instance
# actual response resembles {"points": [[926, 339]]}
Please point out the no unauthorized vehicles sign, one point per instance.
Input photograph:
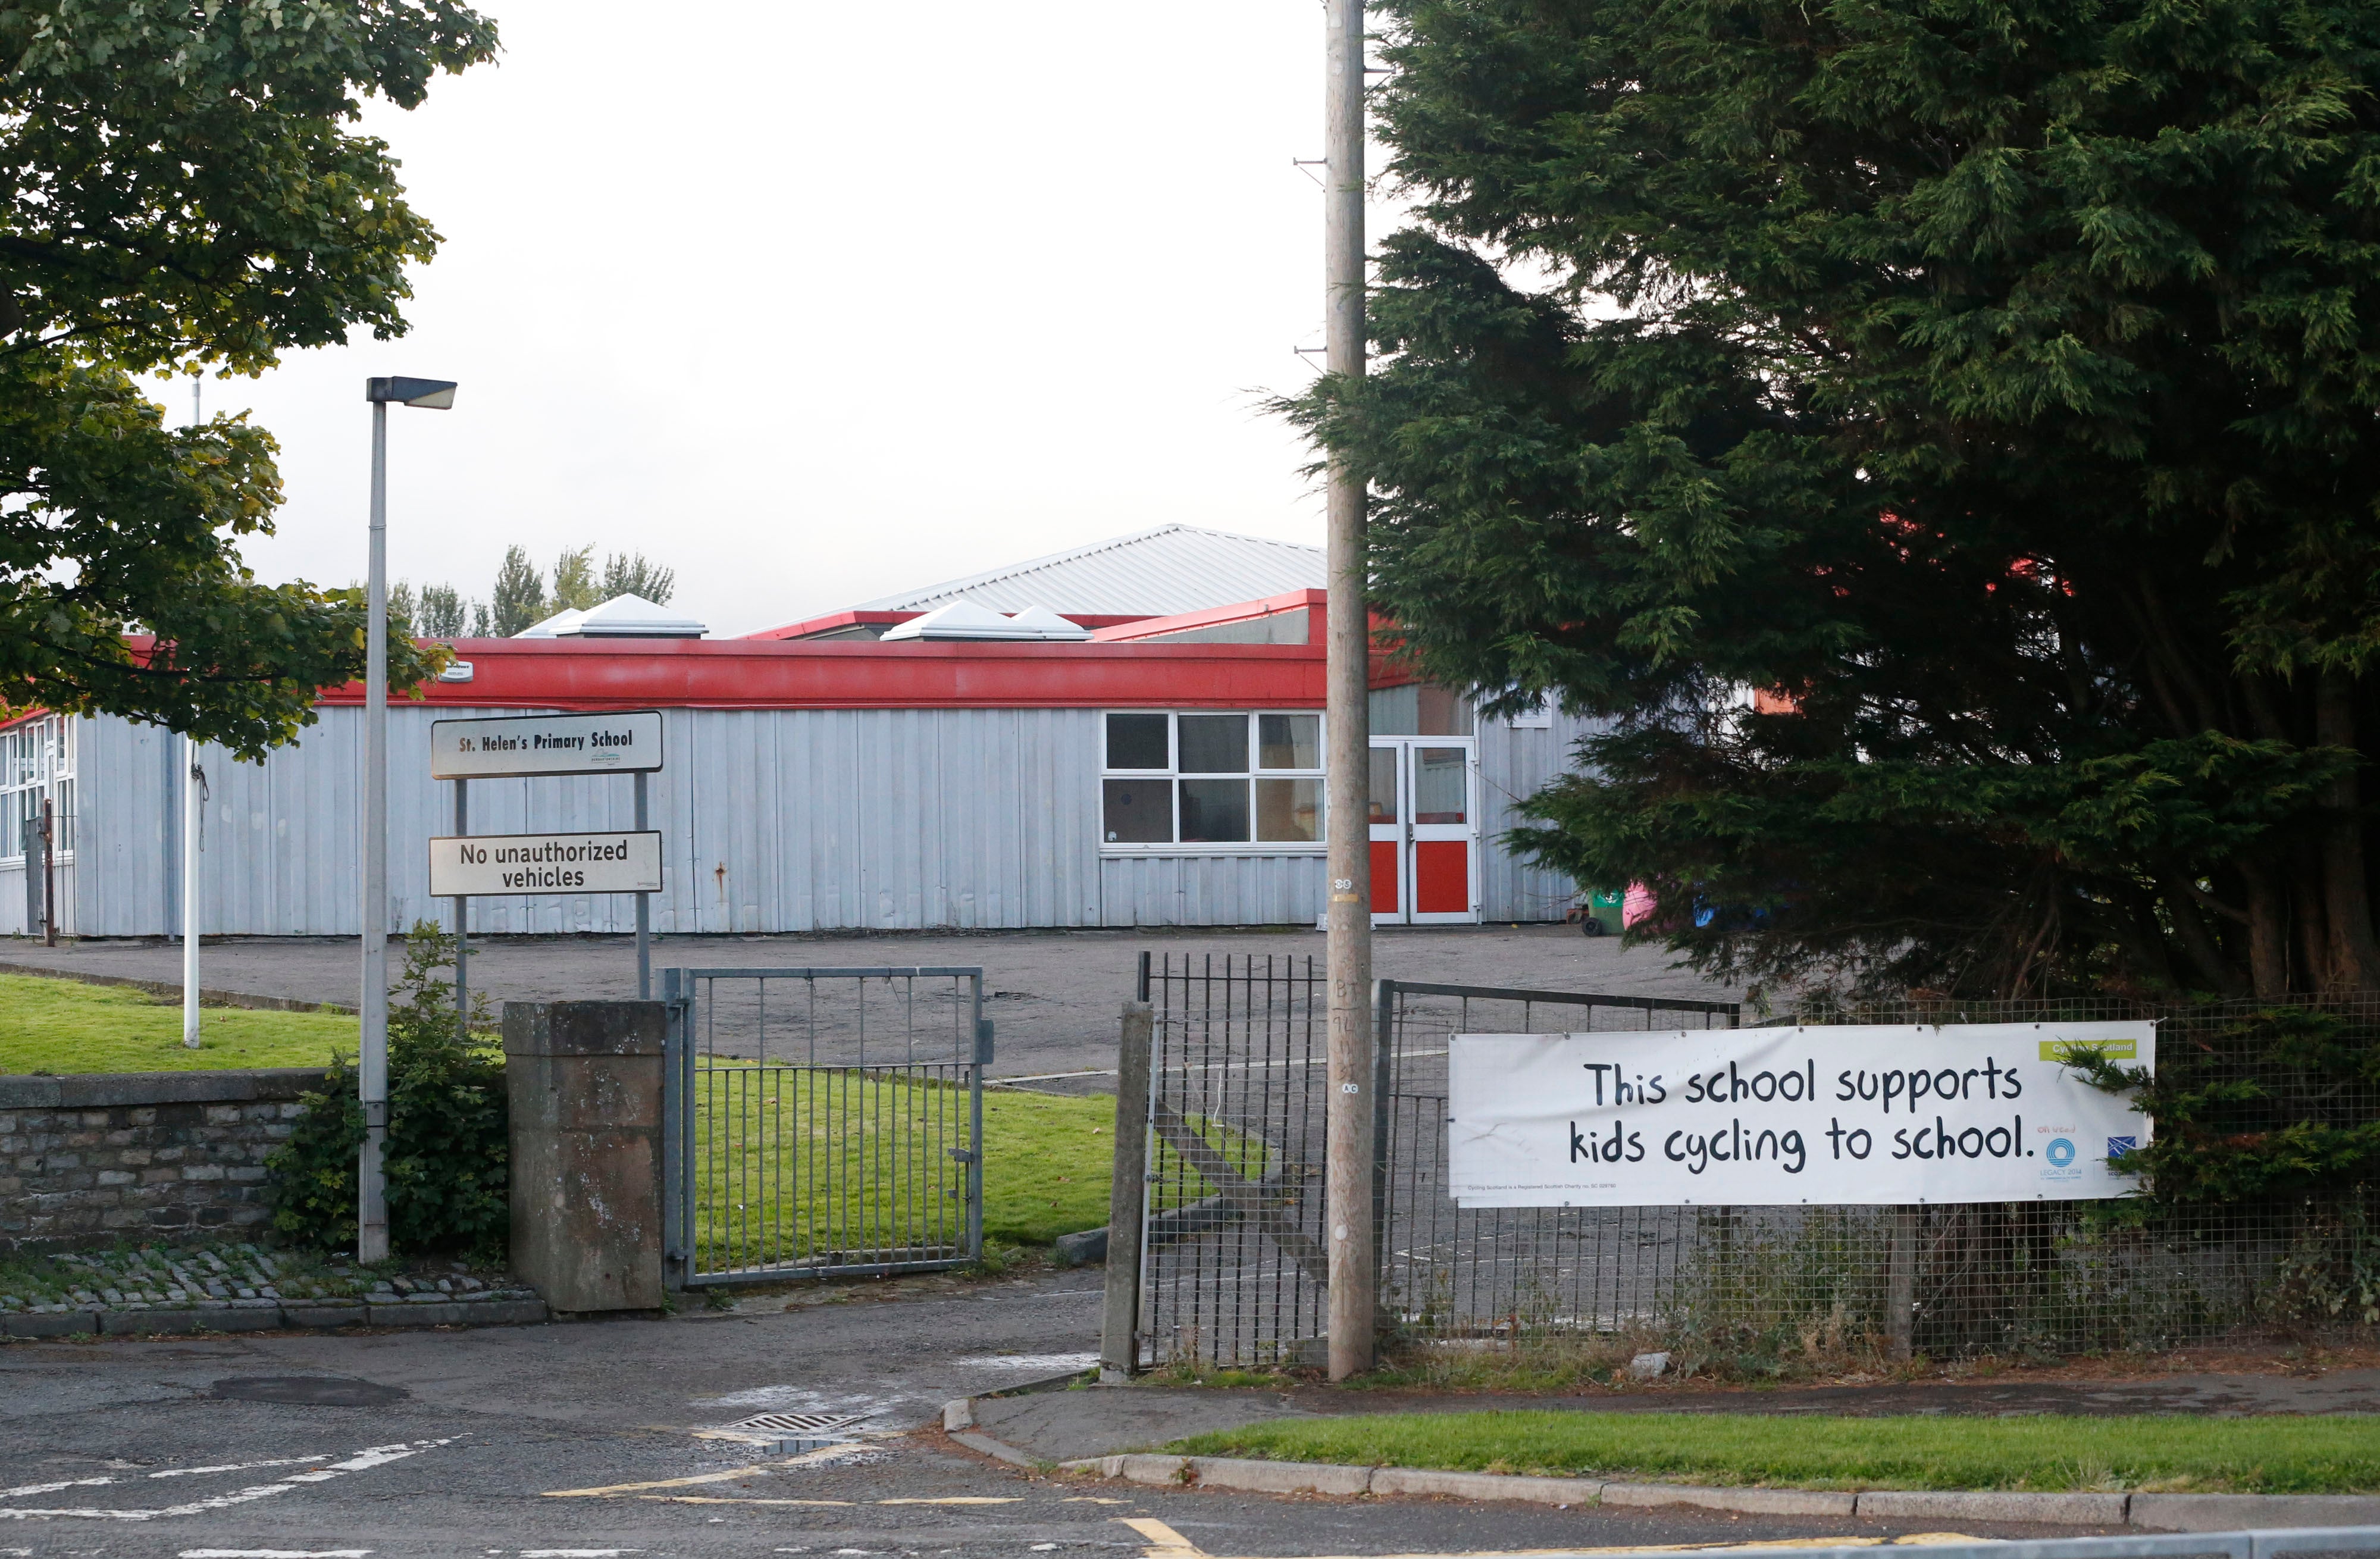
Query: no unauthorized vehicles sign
{"points": [[483, 864]]}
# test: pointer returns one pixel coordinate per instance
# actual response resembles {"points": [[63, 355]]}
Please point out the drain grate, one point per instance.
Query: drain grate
{"points": [[796, 1433]]}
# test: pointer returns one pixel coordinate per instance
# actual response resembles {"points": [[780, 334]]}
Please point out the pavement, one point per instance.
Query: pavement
{"points": [[1052, 995], [581, 1440]]}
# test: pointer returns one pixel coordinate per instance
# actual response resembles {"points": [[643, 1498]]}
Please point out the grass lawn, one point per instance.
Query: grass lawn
{"points": [[791, 1164], [64, 1026], [2330, 1454]]}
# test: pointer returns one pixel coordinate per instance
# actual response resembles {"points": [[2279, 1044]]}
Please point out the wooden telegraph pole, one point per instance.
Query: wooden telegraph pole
{"points": [[1353, 1270]]}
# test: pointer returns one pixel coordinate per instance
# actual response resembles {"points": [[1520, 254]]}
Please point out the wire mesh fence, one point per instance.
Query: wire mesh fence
{"points": [[823, 1121], [2260, 1216]]}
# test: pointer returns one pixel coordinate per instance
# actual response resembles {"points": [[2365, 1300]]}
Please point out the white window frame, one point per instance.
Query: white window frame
{"points": [[1172, 775], [37, 759]]}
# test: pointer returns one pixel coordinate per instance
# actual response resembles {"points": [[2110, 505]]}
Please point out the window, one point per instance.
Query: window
{"points": [[1205, 779], [37, 763]]}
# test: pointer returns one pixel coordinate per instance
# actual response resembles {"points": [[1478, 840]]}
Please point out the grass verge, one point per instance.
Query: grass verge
{"points": [[64, 1026], [2328, 1455]]}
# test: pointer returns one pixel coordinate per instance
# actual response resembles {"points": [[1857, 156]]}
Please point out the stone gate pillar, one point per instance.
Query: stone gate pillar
{"points": [[583, 1081]]}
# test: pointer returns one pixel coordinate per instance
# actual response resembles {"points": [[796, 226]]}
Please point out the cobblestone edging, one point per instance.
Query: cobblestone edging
{"points": [[2169, 1513], [91, 1158], [510, 1306]]}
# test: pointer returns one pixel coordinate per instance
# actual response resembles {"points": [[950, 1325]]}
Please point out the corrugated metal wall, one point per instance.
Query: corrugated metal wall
{"points": [[1515, 762], [773, 820]]}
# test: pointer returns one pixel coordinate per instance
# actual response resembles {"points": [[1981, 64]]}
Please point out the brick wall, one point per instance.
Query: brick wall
{"points": [[90, 1160]]}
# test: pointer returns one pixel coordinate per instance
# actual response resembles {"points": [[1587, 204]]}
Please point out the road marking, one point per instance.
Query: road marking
{"points": [[807, 1458], [1165, 1542], [718, 1498], [577, 1552], [1090, 1499], [362, 1461], [959, 1499], [263, 1552], [314, 1460]]}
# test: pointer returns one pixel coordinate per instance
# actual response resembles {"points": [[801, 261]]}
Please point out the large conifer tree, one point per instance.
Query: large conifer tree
{"points": [[1993, 383]]}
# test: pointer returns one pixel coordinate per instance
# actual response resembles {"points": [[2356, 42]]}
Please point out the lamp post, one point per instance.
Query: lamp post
{"points": [[372, 1068]]}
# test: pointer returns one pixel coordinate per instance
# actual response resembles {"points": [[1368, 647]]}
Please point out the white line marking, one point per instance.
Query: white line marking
{"points": [[577, 1552], [30, 1490], [315, 1460], [362, 1461], [264, 1552]]}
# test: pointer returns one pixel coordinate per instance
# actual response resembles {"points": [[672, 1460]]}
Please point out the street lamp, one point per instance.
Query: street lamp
{"points": [[371, 1070]]}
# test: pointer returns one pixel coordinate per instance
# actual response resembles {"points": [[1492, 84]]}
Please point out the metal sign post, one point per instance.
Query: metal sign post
{"points": [[464, 865]]}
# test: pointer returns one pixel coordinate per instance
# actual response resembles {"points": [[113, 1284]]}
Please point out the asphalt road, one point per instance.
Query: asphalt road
{"points": [[1053, 995], [579, 1440]]}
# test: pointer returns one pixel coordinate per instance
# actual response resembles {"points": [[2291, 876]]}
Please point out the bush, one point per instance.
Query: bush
{"points": [[448, 1151]]}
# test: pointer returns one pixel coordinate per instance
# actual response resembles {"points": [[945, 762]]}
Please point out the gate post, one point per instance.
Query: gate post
{"points": [[584, 1081], [1127, 1193]]}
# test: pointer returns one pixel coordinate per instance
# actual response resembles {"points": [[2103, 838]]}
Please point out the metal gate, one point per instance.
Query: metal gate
{"points": [[1233, 1268], [821, 1122]]}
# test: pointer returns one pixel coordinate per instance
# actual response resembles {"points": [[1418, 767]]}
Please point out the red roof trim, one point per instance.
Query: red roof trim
{"points": [[865, 674], [1313, 602]]}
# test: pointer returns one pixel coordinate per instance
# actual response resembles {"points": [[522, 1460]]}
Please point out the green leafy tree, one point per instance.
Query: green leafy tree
{"points": [[517, 598], [629, 574], [180, 187], [1992, 385], [574, 586], [443, 614]]}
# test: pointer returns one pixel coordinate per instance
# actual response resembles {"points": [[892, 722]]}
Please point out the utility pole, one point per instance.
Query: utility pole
{"points": [[1354, 1270]]}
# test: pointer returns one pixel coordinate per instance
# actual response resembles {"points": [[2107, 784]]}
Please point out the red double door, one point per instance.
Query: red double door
{"points": [[1424, 831]]}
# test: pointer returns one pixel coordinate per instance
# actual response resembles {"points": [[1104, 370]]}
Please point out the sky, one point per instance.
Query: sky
{"points": [[815, 302]]}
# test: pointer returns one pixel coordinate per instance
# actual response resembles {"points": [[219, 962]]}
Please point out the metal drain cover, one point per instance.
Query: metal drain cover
{"points": [[308, 1391], [796, 1433]]}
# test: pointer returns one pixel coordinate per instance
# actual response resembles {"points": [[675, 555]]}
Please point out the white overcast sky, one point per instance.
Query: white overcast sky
{"points": [[815, 302]]}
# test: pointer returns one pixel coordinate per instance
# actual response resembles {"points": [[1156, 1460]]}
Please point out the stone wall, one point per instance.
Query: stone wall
{"points": [[90, 1160]]}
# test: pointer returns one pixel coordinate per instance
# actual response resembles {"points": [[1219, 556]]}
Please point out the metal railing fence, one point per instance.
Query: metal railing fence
{"points": [[1233, 1267], [1765, 1286], [818, 1122]]}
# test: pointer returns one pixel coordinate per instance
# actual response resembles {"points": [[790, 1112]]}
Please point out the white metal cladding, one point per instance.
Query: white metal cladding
{"points": [[776, 820], [1515, 763], [1211, 890]]}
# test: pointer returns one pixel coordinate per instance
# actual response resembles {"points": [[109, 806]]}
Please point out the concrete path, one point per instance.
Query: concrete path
{"points": [[581, 1440], [1053, 994]]}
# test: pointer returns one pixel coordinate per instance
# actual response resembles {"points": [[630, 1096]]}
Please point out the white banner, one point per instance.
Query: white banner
{"points": [[621, 742], [479, 864], [1875, 1115]]}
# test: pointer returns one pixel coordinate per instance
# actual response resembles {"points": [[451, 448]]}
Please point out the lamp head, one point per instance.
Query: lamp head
{"points": [[438, 395]]}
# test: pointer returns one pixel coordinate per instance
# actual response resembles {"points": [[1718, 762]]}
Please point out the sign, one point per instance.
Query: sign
{"points": [[480, 864], [1874, 1115], [621, 743]]}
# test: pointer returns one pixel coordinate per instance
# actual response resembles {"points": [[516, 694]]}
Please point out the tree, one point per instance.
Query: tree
{"points": [[629, 574], [1994, 384], [179, 187], [575, 588], [517, 598]]}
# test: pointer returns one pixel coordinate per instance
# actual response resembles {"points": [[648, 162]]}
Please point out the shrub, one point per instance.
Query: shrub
{"points": [[446, 1157]]}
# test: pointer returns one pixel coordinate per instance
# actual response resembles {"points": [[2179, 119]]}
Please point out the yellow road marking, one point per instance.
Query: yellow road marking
{"points": [[1165, 1542], [959, 1499]]}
